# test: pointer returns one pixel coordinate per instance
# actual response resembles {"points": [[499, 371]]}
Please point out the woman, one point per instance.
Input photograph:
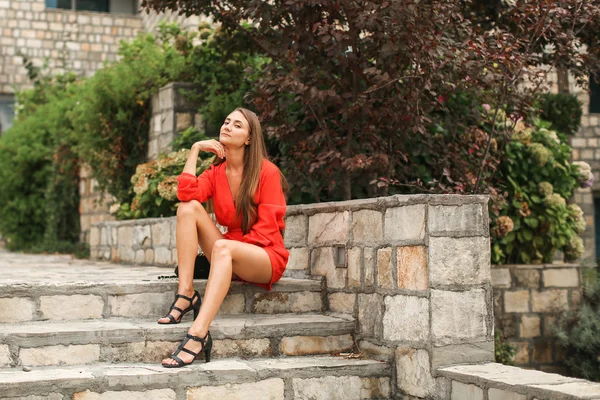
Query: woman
{"points": [[248, 196]]}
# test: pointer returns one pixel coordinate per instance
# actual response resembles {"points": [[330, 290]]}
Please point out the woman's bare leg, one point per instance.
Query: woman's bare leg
{"points": [[194, 226], [249, 262]]}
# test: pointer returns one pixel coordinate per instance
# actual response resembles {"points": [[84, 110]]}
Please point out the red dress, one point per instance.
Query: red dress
{"points": [[266, 231]]}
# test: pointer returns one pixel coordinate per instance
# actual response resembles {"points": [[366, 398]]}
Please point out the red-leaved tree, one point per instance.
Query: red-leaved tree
{"points": [[375, 97]]}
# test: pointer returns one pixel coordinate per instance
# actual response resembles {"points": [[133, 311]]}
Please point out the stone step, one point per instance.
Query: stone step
{"points": [[323, 377], [126, 340], [147, 296]]}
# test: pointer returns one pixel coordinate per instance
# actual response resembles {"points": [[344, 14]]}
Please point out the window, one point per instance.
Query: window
{"points": [[594, 96], [7, 106], [118, 6]]}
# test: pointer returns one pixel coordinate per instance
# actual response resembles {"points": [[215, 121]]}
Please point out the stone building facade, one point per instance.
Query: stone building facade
{"points": [[67, 39], [586, 147]]}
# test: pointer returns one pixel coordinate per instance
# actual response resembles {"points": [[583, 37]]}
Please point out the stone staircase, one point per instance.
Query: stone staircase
{"points": [[72, 329]]}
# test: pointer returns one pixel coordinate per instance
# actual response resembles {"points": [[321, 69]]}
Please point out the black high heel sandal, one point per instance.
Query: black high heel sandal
{"points": [[206, 349], [195, 307]]}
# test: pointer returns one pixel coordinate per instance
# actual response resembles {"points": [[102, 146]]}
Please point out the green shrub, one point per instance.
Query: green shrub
{"points": [[39, 178], [538, 177], [578, 333], [563, 111], [504, 352], [155, 187]]}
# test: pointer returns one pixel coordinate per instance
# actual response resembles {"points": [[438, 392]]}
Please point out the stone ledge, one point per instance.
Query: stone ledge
{"points": [[541, 385], [144, 377]]}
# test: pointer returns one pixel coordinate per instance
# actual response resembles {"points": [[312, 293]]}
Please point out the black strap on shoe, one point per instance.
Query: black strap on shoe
{"points": [[181, 312]]}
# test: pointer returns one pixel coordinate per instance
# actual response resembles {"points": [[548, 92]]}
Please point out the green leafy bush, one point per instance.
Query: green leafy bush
{"points": [[155, 187], [538, 178], [504, 352], [39, 177], [563, 111], [578, 333]]}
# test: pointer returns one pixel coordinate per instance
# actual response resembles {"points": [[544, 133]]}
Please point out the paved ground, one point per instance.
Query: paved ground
{"points": [[16, 268]]}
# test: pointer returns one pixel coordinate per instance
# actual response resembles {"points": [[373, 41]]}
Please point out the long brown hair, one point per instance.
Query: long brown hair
{"points": [[254, 154]]}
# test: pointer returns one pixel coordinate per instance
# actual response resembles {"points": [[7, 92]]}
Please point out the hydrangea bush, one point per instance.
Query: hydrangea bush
{"points": [[155, 187], [538, 178]]}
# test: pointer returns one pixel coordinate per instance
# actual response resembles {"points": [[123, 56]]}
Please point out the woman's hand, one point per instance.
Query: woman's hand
{"points": [[211, 146]]}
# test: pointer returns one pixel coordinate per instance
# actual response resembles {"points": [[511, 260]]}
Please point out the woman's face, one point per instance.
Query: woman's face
{"points": [[235, 131]]}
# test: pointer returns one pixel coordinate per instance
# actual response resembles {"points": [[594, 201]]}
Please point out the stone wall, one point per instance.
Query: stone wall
{"points": [[501, 382], [93, 204], [172, 113], [75, 41], [527, 300], [414, 271]]}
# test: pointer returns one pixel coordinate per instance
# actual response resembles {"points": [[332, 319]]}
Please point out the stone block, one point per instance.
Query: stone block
{"points": [[517, 301], [140, 256], [370, 310], [148, 352], [497, 394], [453, 220], [162, 256], [576, 299], [413, 372], [79, 307], [354, 266], [468, 353], [530, 326], [141, 236], [375, 388], [307, 345], [299, 259], [125, 236], [542, 351], [561, 277], [242, 348], [323, 264], [94, 236], [295, 231], [126, 254], [527, 278], [501, 278], [459, 261], [462, 391], [161, 234], [411, 264], [328, 387], [268, 389], [183, 121], [149, 256], [375, 351], [60, 355], [458, 316], [369, 266], [277, 302], [406, 318], [50, 396], [157, 394], [16, 309], [233, 304], [140, 304], [367, 226], [342, 302], [384, 268], [521, 352], [329, 227], [5, 358], [553, 300], [405, 223]]}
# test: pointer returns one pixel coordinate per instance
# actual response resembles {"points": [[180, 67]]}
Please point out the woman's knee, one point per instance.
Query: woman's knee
{"points": [[221, 248], [189, 208]]}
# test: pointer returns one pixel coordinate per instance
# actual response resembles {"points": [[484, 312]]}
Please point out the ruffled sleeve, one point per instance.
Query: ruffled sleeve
{"points": [[271, 211], [201, 188]]}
